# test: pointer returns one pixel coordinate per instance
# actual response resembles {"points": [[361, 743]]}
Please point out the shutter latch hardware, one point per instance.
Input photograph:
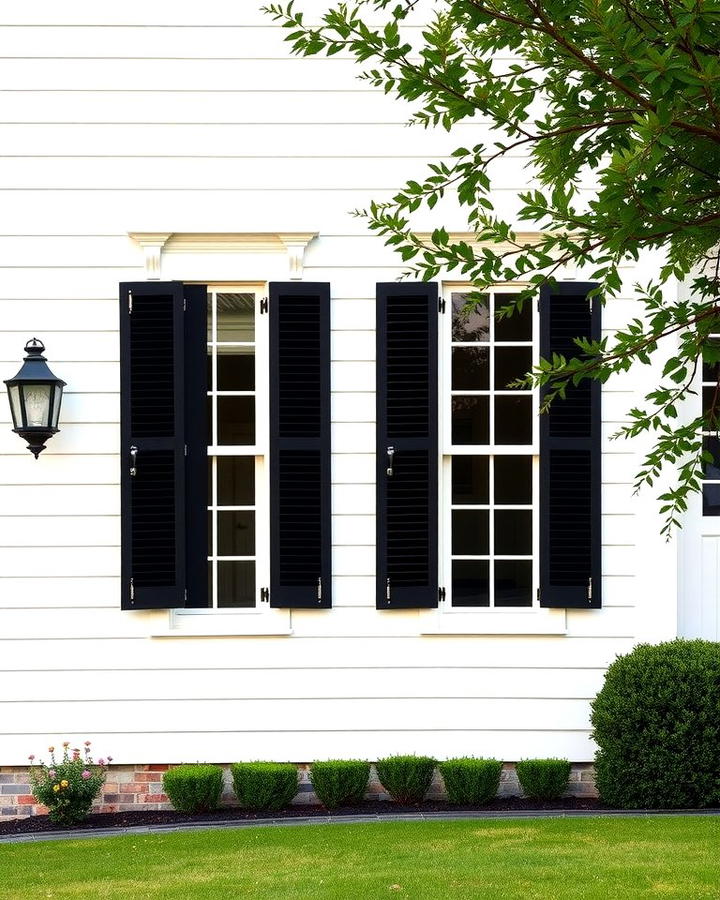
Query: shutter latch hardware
{"points": [[387, 590], [441, 594], [589, 590], [133, 460], [264, 595], [132, 591], [319, 592], [390, 455], [441, 305], [263, 305], [129, 303]]}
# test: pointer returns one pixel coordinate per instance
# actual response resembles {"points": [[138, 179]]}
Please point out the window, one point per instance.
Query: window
{"points": [[237, 416], [490, 453], [711, 436], [225, 438]]}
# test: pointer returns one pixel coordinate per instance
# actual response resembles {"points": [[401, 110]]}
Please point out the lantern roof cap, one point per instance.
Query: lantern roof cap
{"points": [[34, 368]]}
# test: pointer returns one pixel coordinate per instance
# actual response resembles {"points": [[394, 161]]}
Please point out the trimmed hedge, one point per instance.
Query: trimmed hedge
{"points": [[543, 779], [194, 788], [264, 785], [340, 782], [470, 780], [657, 724], [406, 778]]}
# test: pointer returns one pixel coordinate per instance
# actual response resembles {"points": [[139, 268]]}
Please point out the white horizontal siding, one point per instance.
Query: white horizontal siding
{"points": [[110, 123]]}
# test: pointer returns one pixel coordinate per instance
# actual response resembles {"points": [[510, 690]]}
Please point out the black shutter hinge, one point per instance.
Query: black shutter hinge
{"points": [[441, 595], [441, 305], [589, 590], [538, 595], [264, 595], [387, 590], [319, 591], [132, 591], [184, 304], [263, 305], [129, 303]]}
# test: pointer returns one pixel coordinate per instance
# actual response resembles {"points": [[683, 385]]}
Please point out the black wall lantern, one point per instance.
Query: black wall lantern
{"points": [[35, 395]]}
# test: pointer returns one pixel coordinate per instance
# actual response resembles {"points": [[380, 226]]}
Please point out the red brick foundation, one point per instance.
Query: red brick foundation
{"points": [[140, 787]]}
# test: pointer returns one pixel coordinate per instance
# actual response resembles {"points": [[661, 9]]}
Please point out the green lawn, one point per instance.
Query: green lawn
{"points": [[542, 858]]}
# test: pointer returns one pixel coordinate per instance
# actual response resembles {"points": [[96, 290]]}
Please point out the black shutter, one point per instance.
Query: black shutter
{"points": [[196, 429], [152, 481], [407, 446], [570, 459], [300, 545]]}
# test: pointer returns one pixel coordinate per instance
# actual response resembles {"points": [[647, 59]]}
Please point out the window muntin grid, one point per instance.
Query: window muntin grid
{"points": [[232, 452], [493, 469]]}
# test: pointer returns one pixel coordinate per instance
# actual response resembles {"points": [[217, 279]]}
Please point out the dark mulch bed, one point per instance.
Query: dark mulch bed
{"points": [[379, 808]]}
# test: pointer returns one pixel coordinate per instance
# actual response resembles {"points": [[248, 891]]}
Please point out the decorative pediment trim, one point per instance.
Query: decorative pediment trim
{"points": [[291, 243]]}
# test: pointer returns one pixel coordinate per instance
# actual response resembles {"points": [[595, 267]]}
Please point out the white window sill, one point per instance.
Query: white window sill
{"points": [[531, 621], [224, 623]]}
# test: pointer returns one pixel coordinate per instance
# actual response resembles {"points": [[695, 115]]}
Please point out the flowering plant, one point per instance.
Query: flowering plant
{"points": [[68, 786]]}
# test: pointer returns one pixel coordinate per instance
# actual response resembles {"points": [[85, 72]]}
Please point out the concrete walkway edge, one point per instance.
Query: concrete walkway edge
{"points": [[81, 833]]}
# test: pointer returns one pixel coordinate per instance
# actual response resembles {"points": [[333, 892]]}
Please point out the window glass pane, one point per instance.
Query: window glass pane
{"points": [[209, 316], [236, 317], [471, 420], [472, 324], [513, 532], [518, 327], [210, 532], [236, 369], [470, 532], [513, 420], [711, 368], [209, 370], [470, 582], [236, 420], [711, 499], [236, 584], [470, 369], [470, 479], [513, 582], [513, 479], [711, 408], [511, 363], [236, 480], [236, 533]]}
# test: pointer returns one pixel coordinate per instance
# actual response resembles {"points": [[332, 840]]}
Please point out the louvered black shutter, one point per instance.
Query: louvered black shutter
{"points": [[300, 546], [407, 446], [196, 430], [570, 459]]}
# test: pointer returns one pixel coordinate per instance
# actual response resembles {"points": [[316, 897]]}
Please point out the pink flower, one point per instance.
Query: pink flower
{"points": [[51, 773], [31, 757], [109, 759], [86, 775], [101, 762], [66, 743], [87, 743]]}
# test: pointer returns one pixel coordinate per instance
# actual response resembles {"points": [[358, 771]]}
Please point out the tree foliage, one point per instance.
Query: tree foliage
{"points": [[616, 104]]}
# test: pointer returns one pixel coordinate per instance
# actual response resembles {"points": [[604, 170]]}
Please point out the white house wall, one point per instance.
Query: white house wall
{"points": [[193, 118]]}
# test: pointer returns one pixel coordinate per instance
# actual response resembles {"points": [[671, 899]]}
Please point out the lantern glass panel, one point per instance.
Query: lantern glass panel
{"points": [[37, 404], [15, 406], [57, 399]]}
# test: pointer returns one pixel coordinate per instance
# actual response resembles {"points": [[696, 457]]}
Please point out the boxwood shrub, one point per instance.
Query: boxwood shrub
{"points": [[543, 779], [340, 782], [194, 788], [656, 722], [470, 780], [264, 785], [406, 778]]}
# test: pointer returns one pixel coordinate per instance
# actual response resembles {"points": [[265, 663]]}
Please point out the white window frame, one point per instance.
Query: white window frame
{"points": [[260, 619], [449, 619]]}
